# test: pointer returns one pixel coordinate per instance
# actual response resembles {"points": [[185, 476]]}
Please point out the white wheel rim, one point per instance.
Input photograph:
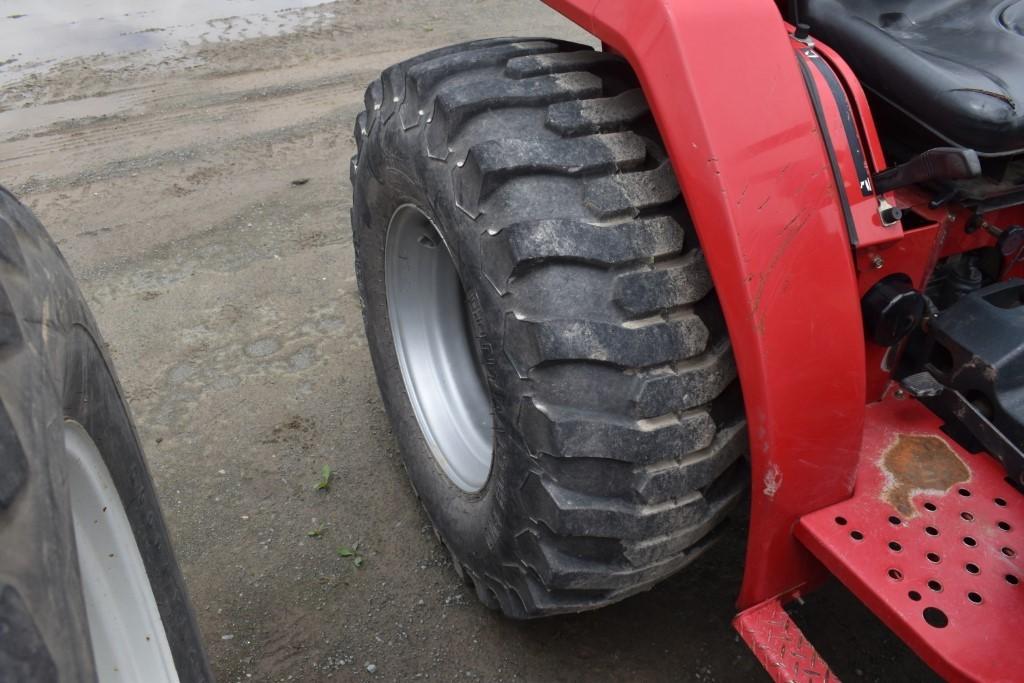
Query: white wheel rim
{"points": [[433, 341], [129, 642]]}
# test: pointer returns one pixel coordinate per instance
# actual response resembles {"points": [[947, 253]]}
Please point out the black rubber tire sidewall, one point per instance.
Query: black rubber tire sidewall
{"points": [[466, 518]]}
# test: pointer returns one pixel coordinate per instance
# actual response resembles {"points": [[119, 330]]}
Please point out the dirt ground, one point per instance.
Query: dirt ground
{"points": [[202, 199]]}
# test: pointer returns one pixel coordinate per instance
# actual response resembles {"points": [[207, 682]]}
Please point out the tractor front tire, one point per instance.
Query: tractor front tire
{"points": [[542, 324]]}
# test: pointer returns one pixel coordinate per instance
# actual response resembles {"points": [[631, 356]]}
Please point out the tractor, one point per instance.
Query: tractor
{"points": [[747, 253]]}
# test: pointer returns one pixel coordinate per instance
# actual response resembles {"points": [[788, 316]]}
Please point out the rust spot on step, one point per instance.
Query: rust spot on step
{"points": [[915, 464]]}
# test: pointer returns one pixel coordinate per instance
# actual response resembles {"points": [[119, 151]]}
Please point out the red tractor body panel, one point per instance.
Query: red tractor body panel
{"points": [[739, 124]]}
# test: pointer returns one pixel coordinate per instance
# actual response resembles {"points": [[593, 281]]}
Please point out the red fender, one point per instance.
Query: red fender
{"points": [[726, 91]]}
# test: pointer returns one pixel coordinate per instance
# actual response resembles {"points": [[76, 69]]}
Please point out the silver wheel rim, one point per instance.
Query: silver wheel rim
{"points": [[429, 324], [128, 638]]}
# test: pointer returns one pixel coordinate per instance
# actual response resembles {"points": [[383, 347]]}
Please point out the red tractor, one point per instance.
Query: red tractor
{"points": [[746, 248]]}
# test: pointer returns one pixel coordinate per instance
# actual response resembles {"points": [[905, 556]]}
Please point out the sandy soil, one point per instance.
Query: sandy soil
{"points": [[227, 294]]}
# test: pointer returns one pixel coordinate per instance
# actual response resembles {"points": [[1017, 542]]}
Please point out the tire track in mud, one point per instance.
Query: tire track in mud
{"points": [[150, 137]]}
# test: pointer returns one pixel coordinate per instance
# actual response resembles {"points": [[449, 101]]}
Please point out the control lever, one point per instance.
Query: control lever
{"points": [[940, 163]]}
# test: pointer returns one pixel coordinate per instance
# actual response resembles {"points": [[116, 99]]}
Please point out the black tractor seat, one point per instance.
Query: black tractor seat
{"points": [[955, 67]]}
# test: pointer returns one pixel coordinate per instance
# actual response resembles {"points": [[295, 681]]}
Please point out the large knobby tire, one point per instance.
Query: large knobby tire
{"points": [[618, 435], [81, 533]]}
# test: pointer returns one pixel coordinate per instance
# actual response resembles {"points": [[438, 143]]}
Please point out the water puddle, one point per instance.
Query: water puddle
{"points": [[35, 34], [18, 120]]}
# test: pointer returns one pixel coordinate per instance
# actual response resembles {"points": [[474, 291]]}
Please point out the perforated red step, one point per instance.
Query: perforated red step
{"points": [[931, 542]]}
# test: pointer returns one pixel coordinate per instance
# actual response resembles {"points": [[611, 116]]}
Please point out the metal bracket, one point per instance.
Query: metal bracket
{"points": [[889, 214]]}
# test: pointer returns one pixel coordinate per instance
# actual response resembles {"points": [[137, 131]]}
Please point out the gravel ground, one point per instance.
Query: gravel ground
{"points": [[202, 198]]}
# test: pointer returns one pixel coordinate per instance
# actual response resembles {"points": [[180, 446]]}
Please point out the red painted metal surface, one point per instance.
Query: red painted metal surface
{"points": [[780, 645], [931, 542], [728, 96]]}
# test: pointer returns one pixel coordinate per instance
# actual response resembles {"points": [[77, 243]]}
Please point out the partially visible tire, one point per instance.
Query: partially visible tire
{"points": [[617, 438], [65, 432]]}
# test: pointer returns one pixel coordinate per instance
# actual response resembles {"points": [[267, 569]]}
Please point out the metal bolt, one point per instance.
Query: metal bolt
{"points": [[900, 394], [877, 262]]}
